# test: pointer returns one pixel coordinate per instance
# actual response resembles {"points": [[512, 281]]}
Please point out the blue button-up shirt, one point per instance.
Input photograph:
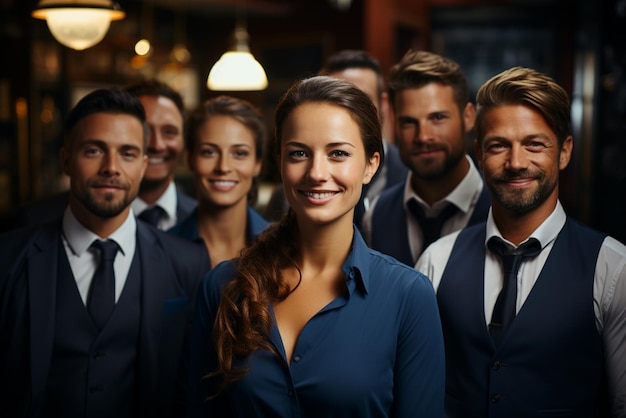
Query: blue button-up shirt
{"points": [[375, 351]]}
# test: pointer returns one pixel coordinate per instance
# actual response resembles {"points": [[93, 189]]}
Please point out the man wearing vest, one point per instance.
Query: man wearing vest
{"points": [[533, 303], [94, 306], [443, 191]]}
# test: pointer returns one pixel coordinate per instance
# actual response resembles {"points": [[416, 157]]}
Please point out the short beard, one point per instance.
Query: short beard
{"points": [[148, 185], [518, 203], [439, 172], [107, 210]]}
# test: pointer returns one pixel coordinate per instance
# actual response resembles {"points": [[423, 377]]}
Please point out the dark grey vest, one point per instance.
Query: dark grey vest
{"points": [[93, 374], [389, 230], [550, 360]]}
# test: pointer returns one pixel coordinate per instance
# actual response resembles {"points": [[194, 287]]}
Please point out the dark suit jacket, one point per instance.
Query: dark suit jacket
{"points": [[52, 207], [171, 269]]}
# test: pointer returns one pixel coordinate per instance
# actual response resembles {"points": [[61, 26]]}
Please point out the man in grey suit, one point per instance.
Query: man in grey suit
{"points": [[81, 336]]}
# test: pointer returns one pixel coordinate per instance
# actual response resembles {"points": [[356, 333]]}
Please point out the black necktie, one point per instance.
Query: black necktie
{"points": [[431, 227], [504, 311], [152, 215], [101, 299]]}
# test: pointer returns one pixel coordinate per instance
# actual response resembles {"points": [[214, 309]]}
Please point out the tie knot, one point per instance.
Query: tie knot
{"points": [[108, 249], [530, 248], [431, 227], [152, 215], [418, 212]]}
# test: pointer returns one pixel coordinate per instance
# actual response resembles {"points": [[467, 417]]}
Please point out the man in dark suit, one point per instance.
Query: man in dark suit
{"points": [[444, 192], [82, 333], [160, 201]]}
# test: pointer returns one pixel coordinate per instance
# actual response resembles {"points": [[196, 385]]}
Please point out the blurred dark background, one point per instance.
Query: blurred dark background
{"points": [[578, 42]]}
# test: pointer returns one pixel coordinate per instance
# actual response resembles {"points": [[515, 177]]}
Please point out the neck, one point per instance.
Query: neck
{"points": [[219, 222], [433, 190], [323, 246], [102, 227], [150, 192], [516, 227], [223, 229]]}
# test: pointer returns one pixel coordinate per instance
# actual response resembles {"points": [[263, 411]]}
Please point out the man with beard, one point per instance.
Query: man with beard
{"points": [[532, 302], [443, 191], [94, 306], [160, 202]]}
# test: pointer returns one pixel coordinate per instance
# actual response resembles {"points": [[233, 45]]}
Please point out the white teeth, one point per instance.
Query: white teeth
{"points": [[224, 183], [155, 160], [315, 195]]}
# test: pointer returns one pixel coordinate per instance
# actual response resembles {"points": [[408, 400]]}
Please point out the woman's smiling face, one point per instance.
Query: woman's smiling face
{"points": [[224, 161], [323, 162]]}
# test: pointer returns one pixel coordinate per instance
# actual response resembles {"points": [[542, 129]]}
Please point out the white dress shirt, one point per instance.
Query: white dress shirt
{"points": [[84, 260], [465, 196], [609, 290], [168, 202]]}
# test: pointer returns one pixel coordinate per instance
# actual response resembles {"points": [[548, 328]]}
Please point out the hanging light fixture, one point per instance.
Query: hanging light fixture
{"points": [[180, 54], [143, 47], [237, 69], [78, 24]]}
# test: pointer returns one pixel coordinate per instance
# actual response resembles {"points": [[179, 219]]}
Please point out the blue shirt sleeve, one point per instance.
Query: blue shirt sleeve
{"points": [[420, 366]]}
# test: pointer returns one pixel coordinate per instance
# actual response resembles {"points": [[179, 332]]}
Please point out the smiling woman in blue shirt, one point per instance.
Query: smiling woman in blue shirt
{"points": [[309, 321]]}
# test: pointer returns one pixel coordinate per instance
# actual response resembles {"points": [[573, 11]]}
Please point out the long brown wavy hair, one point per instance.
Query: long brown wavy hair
{"points": [[243, 320]]}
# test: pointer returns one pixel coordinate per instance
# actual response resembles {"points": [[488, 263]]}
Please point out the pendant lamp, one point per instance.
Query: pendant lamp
{"points": [[78, 24], [237, 69]]}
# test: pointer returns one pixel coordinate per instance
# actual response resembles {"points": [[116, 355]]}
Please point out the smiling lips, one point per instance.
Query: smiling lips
{"points": [[318, 197], [426, 151], [223, 184], [109, 186], [157, 160]]}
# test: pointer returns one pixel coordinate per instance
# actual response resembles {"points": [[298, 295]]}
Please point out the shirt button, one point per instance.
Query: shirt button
{"points": [[97, 356], [290, 393], [496, 365], [296, 358], [496, 398]]}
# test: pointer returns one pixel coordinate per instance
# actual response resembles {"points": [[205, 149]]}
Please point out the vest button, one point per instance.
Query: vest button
{"points": [[496, 365], [97, 356], [496, 398]]}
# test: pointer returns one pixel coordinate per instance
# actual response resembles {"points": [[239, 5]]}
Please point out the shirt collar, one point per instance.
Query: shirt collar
{"points": [[167, 202], [80, 238], [545, 233], [462, 196], [356, 267]]}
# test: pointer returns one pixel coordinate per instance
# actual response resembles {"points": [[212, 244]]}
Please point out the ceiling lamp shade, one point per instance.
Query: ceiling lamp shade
{"points": [[237, 69], [78, 24]]}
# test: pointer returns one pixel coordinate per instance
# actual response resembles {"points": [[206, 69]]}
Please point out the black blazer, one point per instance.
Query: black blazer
{"points": [[171, 268]]}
